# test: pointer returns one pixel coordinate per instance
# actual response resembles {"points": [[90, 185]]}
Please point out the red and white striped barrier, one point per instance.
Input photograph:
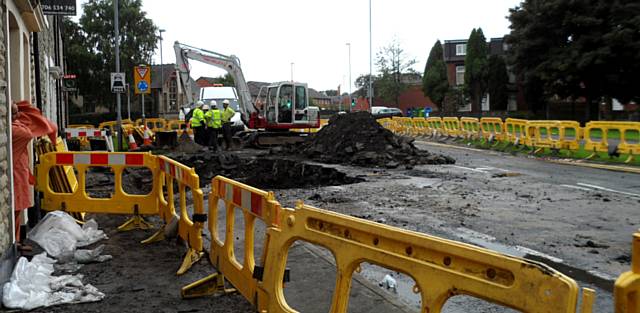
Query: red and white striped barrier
{"points": [[174, 170], [84, 132], [103, 159], [252, 201]]}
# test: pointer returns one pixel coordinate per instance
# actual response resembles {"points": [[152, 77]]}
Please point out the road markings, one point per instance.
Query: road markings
{"points": [[610, 190], [469, 169], [577, 187]]}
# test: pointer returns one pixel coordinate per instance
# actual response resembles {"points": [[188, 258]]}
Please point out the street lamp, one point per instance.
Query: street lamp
{"points": [[161, 74], [350, 82], [370, 62]]}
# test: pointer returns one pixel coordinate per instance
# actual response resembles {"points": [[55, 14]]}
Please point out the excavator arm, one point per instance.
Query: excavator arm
{"points": [[231, 64]]}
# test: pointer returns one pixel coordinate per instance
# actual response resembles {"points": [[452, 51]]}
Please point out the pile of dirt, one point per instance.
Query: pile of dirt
{"points": [[262, 172], [358, 139]]}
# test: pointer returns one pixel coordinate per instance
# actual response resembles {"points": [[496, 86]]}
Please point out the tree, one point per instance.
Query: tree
{"points": [[498, 80], [225, 80], [362, 83], [393, 64], [475, 69], [577, 49], [90, 48], [434, 82]]}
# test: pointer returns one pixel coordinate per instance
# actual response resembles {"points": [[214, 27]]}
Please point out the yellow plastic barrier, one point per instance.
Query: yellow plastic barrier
{"points": [[470, 127], [441, 268], [154, 124], [81, 126], [390, 124], [190, 230], [178, 125], [626, 292], [405, 125], [79, 201], [624, 144], [111, 125], [451, 126], [540, 134], [435, 126], [420, 126], [516, 131], [492, 128], [570, 135], [254, 204]]}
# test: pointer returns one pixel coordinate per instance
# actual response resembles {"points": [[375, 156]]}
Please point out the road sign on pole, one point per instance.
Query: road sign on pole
{"points": [[117, 83], [142, 79]]}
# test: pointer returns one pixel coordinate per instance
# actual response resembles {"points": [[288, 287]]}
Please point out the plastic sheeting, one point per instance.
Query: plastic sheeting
{"points": [[32, 285], [60, 235]]}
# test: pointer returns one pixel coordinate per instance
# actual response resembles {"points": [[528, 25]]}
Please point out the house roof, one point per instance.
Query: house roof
{"points": [[159, 71], [254, 87]]}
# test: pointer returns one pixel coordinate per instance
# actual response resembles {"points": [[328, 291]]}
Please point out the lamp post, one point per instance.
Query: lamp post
{"points": [[116, 27], [161, 75], [350, 82], [370, 62], [292, 71]]}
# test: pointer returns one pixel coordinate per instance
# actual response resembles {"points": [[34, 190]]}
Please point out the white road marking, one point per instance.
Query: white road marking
{"points": [[469, 169], [610, 190], [577, 187]]}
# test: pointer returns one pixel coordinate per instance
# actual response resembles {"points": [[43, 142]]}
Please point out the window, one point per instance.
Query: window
{"points": [[301, 98], [461, 49], [173, 95], [459, 75]]}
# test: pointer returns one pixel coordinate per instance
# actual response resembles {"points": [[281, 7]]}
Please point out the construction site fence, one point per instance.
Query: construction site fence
{"points": [[439, 267], [168, 177], [614, 138]]}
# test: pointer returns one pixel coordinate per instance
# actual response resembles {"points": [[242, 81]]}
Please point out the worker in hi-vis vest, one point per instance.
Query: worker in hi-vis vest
{"points": [[214, 124], [198, 123], [227, 114]]}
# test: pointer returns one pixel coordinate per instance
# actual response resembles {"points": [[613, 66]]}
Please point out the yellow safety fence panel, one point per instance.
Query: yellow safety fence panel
{"points": [[543, 134], [492, 128], [401, 125], [178, 125], [154, 124], [626, 292], [516, 131], [111, 125], [255, 204], [452, 126], [570, 135], [389, 124], [78, 200], [470, 127], [441, 268], [435, 126], [420, 126], [81, 126], [606, 130], [190, 229]]}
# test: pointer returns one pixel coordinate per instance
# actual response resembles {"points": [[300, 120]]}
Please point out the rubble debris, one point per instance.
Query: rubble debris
{"points": [[358, 139]]}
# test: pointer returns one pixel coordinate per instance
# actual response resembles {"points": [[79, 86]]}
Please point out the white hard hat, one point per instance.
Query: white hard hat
{"points": [[200, 103], [213, 103], [225, 101], [205, 107]]}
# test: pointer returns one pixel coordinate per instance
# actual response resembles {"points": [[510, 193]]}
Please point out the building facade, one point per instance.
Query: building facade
{"points": [[31, 65]]}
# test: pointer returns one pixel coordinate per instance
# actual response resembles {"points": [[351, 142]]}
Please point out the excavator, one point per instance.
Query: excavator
{"points": [[269, 122]]}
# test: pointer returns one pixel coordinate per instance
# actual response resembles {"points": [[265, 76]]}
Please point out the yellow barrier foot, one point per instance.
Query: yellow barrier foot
{"points": [[190, 258], [629, 159], [591, 156], [210, 285], [135, 222], [157, 236]]}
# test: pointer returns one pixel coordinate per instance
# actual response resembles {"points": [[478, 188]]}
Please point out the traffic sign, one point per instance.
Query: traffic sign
{"points": [[142, 79], [117, 82]]}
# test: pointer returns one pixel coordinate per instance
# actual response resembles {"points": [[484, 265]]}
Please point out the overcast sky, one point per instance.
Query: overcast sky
{"points": [[268, 36]]}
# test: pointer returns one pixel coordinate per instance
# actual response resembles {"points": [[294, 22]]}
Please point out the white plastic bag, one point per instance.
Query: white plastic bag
{"points": [[60, 235]]}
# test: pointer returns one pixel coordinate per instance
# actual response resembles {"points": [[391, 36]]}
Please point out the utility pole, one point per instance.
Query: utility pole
{"points": [[128, 101], [292, 71], [350, 82], [118, 104], [370, 62], [164, 107]]}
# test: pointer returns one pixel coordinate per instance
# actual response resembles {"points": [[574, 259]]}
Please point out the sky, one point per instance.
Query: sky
{"points": [[268, 36]]}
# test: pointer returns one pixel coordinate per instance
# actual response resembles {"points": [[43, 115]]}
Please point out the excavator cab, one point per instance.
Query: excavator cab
{"points": [[287, 106]]}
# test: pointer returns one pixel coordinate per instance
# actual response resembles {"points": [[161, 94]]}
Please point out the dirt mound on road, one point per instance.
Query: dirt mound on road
{"points": [[358, 139]]}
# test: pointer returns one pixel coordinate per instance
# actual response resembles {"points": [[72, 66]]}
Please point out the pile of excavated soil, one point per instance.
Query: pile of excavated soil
{"points": [[358, 139], [262, 172]]}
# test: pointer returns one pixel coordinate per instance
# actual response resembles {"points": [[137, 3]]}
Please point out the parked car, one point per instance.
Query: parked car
{"points": [[387, 112]]}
